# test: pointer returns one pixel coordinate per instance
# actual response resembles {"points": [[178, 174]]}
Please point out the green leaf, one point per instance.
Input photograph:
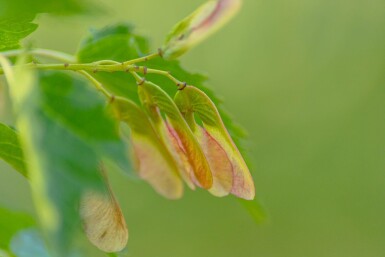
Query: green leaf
{"points": [[10, 223], [10, 8], [10, 150], [65, 133], [206, 20], [117, 43], [74, 104], [14, 29]]}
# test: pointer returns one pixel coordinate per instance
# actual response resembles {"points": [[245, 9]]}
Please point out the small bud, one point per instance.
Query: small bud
{"points": [[206, 20]]}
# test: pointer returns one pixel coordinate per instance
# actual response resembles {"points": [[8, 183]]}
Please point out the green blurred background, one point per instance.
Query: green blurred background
{"points": [[306, 78]]}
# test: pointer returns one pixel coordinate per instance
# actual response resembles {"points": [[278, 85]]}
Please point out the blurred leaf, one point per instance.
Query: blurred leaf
{"points": [[10, 150], [10, 223], [4, 253], [76, 106], [16, 17], [11, 8], [14, 29], [206, 20], [65, 132]]}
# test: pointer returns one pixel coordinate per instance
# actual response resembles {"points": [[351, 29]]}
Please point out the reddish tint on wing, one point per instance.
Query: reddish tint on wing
{"points": [[200, 167], [153, 168], [220, 164], [186, 170]]}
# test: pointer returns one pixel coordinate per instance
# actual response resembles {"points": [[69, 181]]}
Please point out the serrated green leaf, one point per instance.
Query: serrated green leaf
{"points": [[206, 20], [14, 29], [117, 43], [11, 8], [155, 163], [10, 223], [65, 133], [10, 149]]}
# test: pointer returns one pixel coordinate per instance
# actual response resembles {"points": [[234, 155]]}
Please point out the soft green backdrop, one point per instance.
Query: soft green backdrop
{"points": [[306, 79]]}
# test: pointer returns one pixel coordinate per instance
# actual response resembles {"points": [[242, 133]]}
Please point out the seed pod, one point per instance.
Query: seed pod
{"points": [[154, 162], [103, 220], [155, 100], [220, 164], [206, 20], [219, 146], [180, 154]]}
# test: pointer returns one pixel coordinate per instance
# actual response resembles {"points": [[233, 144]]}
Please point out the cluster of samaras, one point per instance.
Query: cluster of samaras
{"points": [[173, 147], [169, 146], [173, 140]]}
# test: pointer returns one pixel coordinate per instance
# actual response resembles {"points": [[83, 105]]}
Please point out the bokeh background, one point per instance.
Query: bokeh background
{"points": [[306, 78]]}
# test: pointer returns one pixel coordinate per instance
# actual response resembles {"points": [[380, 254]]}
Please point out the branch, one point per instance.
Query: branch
{"points": [[103, 65]]}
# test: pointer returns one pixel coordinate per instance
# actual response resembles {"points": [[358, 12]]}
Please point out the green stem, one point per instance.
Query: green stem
{"points": [[97, 67], [142, 59], [41, 52], [103, 65], [166, 74], [55, 55], [97, 84], [70, 58], [138, 78]]}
